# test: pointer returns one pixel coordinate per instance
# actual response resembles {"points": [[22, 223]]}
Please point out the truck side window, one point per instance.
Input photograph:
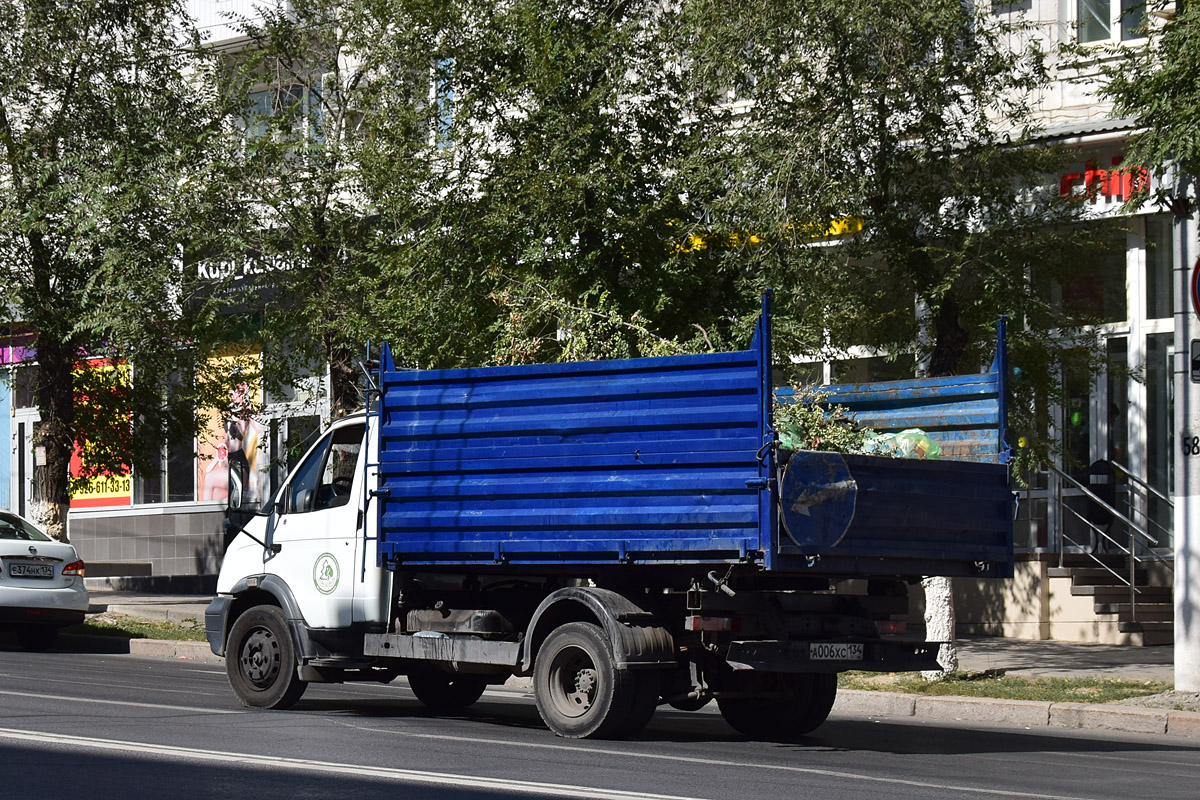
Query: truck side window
{"points": [[338, 475], [326, 477], [303, 489]]}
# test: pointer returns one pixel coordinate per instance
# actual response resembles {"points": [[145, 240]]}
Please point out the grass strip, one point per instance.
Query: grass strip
{"points": [[131, 628], [997, 685]]}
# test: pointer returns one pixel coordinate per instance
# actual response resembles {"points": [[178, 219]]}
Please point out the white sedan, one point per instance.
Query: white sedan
{"points": [[41, 583]]}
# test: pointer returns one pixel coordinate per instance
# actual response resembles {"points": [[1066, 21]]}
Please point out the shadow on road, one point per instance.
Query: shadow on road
{"points": [[891, 736]]}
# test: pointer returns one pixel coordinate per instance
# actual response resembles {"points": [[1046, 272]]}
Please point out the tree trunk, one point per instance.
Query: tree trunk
{"points": [[949, 343], [939, 625], [343, 381], [53, 439]]}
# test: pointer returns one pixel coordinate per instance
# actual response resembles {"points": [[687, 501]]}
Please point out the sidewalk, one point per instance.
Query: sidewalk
{"points": [[1028, 659]]}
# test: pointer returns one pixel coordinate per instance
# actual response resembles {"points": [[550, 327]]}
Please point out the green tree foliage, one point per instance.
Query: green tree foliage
{"points": [[104, 126], [482, 182], [912, 123], [566, 135], [1158, 86]]}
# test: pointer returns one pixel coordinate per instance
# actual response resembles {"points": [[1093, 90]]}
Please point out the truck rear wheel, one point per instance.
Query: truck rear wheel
{"points": [[260, 660], [791, 705], [579, 691], [442, 691], [647, 689]]}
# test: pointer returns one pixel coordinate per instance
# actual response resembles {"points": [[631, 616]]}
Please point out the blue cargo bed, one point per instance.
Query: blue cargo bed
{"points": [[665, 461]]}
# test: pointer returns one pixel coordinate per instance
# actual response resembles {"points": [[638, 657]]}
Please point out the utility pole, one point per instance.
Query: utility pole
{"points": [[1187, 443]]}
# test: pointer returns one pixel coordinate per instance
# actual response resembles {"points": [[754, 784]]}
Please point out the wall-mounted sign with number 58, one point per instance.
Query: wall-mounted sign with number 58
{"points": [[1191, 445]]}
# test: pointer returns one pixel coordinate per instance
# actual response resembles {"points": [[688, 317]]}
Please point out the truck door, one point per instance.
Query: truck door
{"points": [[318, 529]]}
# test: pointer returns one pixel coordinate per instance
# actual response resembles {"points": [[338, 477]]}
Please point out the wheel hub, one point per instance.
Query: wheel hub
{"points": [[585, 687], [260, 658]]}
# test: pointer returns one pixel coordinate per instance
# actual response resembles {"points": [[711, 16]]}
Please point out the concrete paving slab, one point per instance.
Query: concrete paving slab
{"points": [[1052, 659]]}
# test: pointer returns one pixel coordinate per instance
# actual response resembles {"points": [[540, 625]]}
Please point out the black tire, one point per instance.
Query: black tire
{"points": [[646, 692], [37, 638], [790, 705], [824, 693], [260, 660], [580, 693], [442, 691]]}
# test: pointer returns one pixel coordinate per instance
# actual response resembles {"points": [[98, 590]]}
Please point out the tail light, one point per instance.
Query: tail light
{"points": [[74, 568], [886, 626], [702, 623]]}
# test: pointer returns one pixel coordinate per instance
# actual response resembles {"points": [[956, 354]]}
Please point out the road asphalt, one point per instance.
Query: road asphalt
{"points": [[1030, 659]]}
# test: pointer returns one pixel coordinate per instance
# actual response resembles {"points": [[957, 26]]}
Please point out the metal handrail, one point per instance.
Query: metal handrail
{"points": [[1149, 542], [1133, 526], [1160, 495], [1149, 490]]}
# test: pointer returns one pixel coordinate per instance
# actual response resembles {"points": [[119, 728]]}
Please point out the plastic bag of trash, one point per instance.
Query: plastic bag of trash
{"points": [[910, 443]]}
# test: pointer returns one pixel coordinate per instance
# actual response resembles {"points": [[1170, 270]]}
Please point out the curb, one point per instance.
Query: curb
{"points": [[1024, 713], [146, 648]]}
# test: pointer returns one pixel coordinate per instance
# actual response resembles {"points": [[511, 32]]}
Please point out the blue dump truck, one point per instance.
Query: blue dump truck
{"points": [[627, 533]]}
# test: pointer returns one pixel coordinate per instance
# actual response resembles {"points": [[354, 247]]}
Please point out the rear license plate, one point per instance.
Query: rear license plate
{"points": [[835, 651], [31, 570]]}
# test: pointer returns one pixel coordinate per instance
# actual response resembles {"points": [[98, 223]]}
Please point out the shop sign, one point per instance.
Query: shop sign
{"points": [[1105, 186]]}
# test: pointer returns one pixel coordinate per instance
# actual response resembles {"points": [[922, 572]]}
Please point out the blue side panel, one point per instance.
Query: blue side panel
{"points": [[850, 514], [638, 461], [964, 414]]}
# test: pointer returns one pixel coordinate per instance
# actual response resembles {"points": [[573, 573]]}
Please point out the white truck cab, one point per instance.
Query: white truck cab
{"points": [[308, 554]]}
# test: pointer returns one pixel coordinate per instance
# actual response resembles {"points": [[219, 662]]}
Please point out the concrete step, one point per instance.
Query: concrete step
{"points": [[1115, 594], [117, 569], [154, 584], [1097, 576], [1090, 560], [1146, 612], [1152, 633], [1158, 638]]}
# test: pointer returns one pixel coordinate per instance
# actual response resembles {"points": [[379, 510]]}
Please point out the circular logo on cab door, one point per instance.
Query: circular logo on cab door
{"points": [[326, 573]]}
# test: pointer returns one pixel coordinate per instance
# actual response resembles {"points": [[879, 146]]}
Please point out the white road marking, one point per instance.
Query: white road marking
{"points": [[156, 706], [711, 762], [327, 767]]}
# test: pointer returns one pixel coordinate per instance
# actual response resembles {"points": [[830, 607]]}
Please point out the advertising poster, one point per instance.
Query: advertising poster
{"points": [[237, 439], [105, 489]]}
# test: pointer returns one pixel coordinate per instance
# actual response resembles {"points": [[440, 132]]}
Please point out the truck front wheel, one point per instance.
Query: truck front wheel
{"points": [[790, 705], [261, 660], [579, 691]]}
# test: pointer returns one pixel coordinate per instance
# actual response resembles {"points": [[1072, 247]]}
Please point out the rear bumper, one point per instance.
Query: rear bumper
{"points": [[789, 656], [43, 605]]}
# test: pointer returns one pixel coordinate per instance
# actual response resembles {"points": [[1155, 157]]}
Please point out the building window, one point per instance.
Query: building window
{"points": [[1104, 20], [1160, 288]]}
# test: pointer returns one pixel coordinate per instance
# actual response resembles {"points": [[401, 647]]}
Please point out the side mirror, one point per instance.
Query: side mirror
{"points": [[237, 480]]}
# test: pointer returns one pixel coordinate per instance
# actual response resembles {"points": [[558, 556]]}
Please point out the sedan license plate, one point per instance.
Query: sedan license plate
{"points": [[835, 651], [31, 570]]}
